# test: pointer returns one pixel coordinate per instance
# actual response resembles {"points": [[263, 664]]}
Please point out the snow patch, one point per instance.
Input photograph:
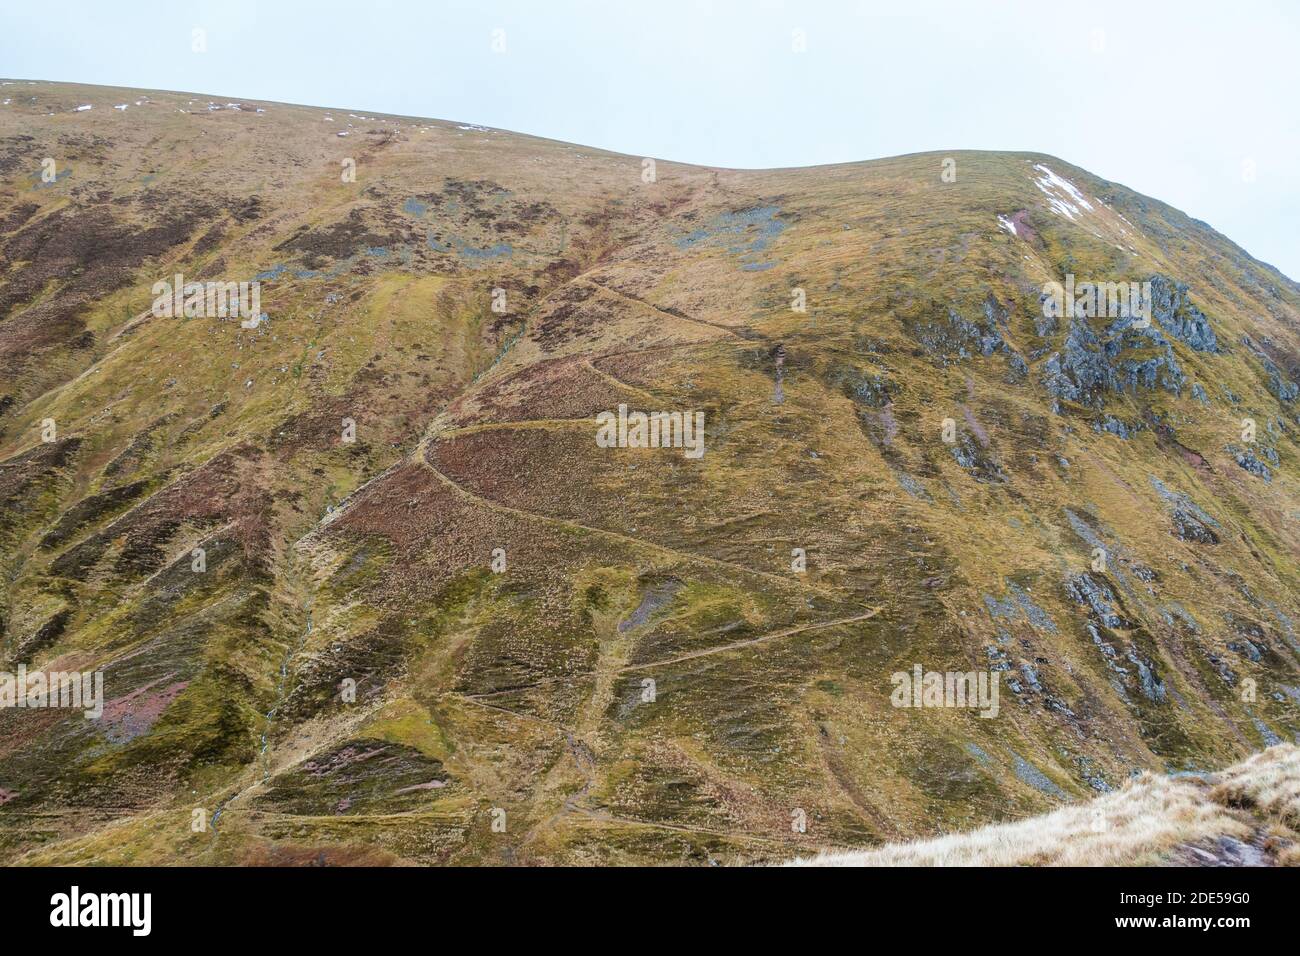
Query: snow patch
{"points": [[1064, 197], [1007, 224]]}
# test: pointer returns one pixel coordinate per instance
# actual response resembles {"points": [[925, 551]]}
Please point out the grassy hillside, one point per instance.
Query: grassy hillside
{"points": [[471, 299]]}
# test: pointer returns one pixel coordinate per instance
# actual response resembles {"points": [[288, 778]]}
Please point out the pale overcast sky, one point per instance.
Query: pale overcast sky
{"points": [[1179, 100]]}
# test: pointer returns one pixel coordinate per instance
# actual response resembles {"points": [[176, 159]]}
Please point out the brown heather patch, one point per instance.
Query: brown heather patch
{"points": [[548, 389]]}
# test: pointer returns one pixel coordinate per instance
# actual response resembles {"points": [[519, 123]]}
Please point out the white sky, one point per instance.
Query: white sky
{"points": [[1168, 98]]}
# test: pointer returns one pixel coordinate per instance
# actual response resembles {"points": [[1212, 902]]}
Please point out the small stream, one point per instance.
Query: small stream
{"points": [[281, 693]]}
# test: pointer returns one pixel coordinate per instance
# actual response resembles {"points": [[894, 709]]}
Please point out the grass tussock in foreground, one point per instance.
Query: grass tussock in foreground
{"points": [[1247, 813]]}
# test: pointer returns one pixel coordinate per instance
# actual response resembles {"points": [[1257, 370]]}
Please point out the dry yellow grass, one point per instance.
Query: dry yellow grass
{"points": [[1139, 824], [1268, 782]]}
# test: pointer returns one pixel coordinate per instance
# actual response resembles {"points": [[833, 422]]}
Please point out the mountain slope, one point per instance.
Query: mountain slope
{"points": [[516, 696]]}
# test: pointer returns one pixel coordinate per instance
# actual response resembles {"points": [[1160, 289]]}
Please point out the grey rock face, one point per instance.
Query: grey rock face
{"points": [[998, 660], [1247, 458], [1126, 355], [1097, 596], [1188, 528], [874, 391], [1017, 368], [1044, 320], [963, 337], [1245, 649], [1191, 522], [947, 335], [1171, 307], [1079, 373], [1283, 389], [977, 460], [912, 486], [1019, 605], [1117, 360], [1115, 426], [1153, 688]]}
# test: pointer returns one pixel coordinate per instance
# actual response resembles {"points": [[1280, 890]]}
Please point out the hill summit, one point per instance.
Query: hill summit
{"points": [[424, 492]]}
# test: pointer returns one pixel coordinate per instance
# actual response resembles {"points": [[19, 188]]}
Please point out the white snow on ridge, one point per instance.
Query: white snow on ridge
{"points": [[1062, 183], [1063, 195], [1007, 224], [80, 109]]}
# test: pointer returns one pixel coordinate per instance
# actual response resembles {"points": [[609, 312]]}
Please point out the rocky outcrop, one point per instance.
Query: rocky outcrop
{"points": [[1282, 388], [1097, 597], [1129, 354], [948, 336], [1123, 357], [1247, 459], [1171, 307], [1191, 522]]}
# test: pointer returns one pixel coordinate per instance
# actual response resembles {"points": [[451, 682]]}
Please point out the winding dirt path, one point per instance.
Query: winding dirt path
{"points": [[761, 639], [783, 582]]}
